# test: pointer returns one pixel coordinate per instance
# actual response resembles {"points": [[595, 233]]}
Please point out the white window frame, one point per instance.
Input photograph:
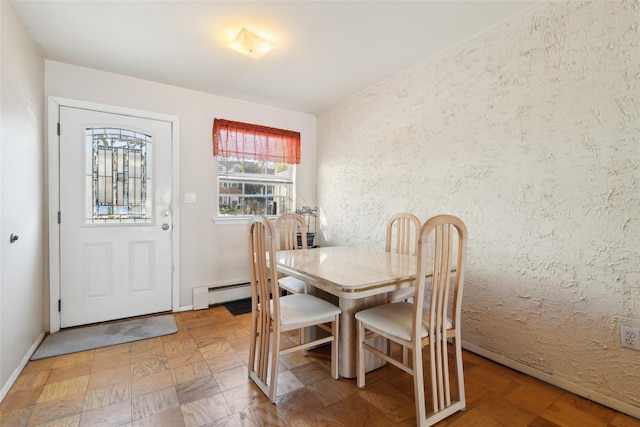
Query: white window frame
{"points": [[247, 178]]}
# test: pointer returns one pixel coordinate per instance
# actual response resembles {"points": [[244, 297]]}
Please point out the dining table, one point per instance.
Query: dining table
{"points": [[354, 279]]}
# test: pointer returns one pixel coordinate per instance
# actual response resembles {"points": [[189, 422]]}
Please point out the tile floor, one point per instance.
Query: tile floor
{"points": [[198, 377]]}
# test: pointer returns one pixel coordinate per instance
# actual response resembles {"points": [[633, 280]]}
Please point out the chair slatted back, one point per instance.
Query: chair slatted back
{"points": [[261, 242], [287, 228], [402, 234], [265, 347], [447, 236]]}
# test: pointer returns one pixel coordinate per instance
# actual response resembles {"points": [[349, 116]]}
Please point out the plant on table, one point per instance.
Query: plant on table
{"points": [[308, 213]]}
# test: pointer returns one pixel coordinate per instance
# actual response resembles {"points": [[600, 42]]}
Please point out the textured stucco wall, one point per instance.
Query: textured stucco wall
{"points": [[531, 134]]}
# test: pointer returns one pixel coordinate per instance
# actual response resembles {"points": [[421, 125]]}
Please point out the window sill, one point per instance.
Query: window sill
{"points": [[235, 220]]}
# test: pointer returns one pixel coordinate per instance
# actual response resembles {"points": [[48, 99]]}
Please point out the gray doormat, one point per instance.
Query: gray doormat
{"points": [[91, 337]]}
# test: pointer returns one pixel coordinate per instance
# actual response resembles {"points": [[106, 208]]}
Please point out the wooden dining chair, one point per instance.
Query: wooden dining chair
{"points": [[273, 314], [415, 326], [287, 228], [402, 238]]}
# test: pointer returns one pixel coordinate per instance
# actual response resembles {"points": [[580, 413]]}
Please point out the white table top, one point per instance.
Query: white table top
{"points": [[349, 272]]}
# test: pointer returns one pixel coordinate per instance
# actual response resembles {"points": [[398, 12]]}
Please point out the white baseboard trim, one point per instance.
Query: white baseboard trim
{"points": [[16, 373], [206, 296], [230, 293], [595, 396]]}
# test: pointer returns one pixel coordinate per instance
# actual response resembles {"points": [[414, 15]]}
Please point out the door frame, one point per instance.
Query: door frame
{"points": [[53, 199]]}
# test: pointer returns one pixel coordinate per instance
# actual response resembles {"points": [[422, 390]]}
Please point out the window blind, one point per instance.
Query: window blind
{"points": [[255, 142]]}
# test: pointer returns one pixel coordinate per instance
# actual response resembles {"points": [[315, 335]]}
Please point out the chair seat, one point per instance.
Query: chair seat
{"points": [[395, 319], [304, 308], [292, 285], [400, 295]]}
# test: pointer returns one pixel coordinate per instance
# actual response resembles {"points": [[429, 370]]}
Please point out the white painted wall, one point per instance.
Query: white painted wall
{"points": [[210, 253], [531, 134], [21, 196]]}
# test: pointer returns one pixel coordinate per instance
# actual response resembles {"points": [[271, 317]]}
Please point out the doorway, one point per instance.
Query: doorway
{"points": [[113, 213]]}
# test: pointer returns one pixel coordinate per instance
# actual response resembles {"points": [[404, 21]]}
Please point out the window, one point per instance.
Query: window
{"points": [[255, 168], [118, 176]]}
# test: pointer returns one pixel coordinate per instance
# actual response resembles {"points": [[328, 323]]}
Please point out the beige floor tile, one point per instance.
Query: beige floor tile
{"points": [[533, 395], [38, 365], [103, 378], [69, 371], [15, 417], [217, 347], [146, 344], [224, 362], [151, 383], [111, 350], [73, 358], [197, 389], [185, 358], [355, 411], [21, 398], [145, 353], [107, 395], [31, 380], [566, 414], [506, 412], [232, 377], [204, 411], [297, 404], [153, 403], [264, 414], [190, 372], [51, 410], [320, 418], [116, 414], [310, 373], [111, 361], [169, 418], [64, 388], [149, 366], [288, 383], [70, 421], [621, 420], [182, 334], [243, 396], [391, 402], [330, 391], [176, 346]]}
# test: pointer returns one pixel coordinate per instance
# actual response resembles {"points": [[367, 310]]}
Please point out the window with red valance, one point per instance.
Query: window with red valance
{"points": [[255, 168], [255, 142]]}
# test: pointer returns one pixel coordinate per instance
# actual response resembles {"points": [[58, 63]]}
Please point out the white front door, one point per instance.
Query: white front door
{"points": [[115, 216]]}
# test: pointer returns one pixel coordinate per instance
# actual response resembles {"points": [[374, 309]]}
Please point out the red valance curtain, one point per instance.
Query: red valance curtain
{"points": [[255, 142]]}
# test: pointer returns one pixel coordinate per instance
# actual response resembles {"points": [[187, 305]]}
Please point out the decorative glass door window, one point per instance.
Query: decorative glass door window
{"points": [[119, 176]]}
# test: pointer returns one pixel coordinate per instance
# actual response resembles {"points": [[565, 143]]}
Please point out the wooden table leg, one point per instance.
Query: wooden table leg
{"points": [[348, 336]]}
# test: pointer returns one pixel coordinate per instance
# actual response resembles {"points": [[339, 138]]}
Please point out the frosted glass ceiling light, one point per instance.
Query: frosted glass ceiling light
{"points": [[251, 44]]}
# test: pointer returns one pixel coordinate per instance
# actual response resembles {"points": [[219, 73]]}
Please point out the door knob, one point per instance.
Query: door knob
{"points": [[13, 237], [165, 226]]}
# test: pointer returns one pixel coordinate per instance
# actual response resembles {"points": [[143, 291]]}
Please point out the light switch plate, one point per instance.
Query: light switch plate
{"points": [[189, 197]]}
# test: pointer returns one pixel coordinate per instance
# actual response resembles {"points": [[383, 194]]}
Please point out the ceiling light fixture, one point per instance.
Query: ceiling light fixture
{"points": [[251, 44]]}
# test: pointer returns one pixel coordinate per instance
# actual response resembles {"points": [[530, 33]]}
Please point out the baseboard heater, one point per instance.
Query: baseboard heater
{"points": [[207, 296]]}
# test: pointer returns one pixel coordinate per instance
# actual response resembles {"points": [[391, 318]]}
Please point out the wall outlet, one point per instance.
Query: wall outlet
{"points": [[630, 337]]}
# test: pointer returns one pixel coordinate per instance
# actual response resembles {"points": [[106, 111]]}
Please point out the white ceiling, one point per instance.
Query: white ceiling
{"points": [[326, 51]]}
